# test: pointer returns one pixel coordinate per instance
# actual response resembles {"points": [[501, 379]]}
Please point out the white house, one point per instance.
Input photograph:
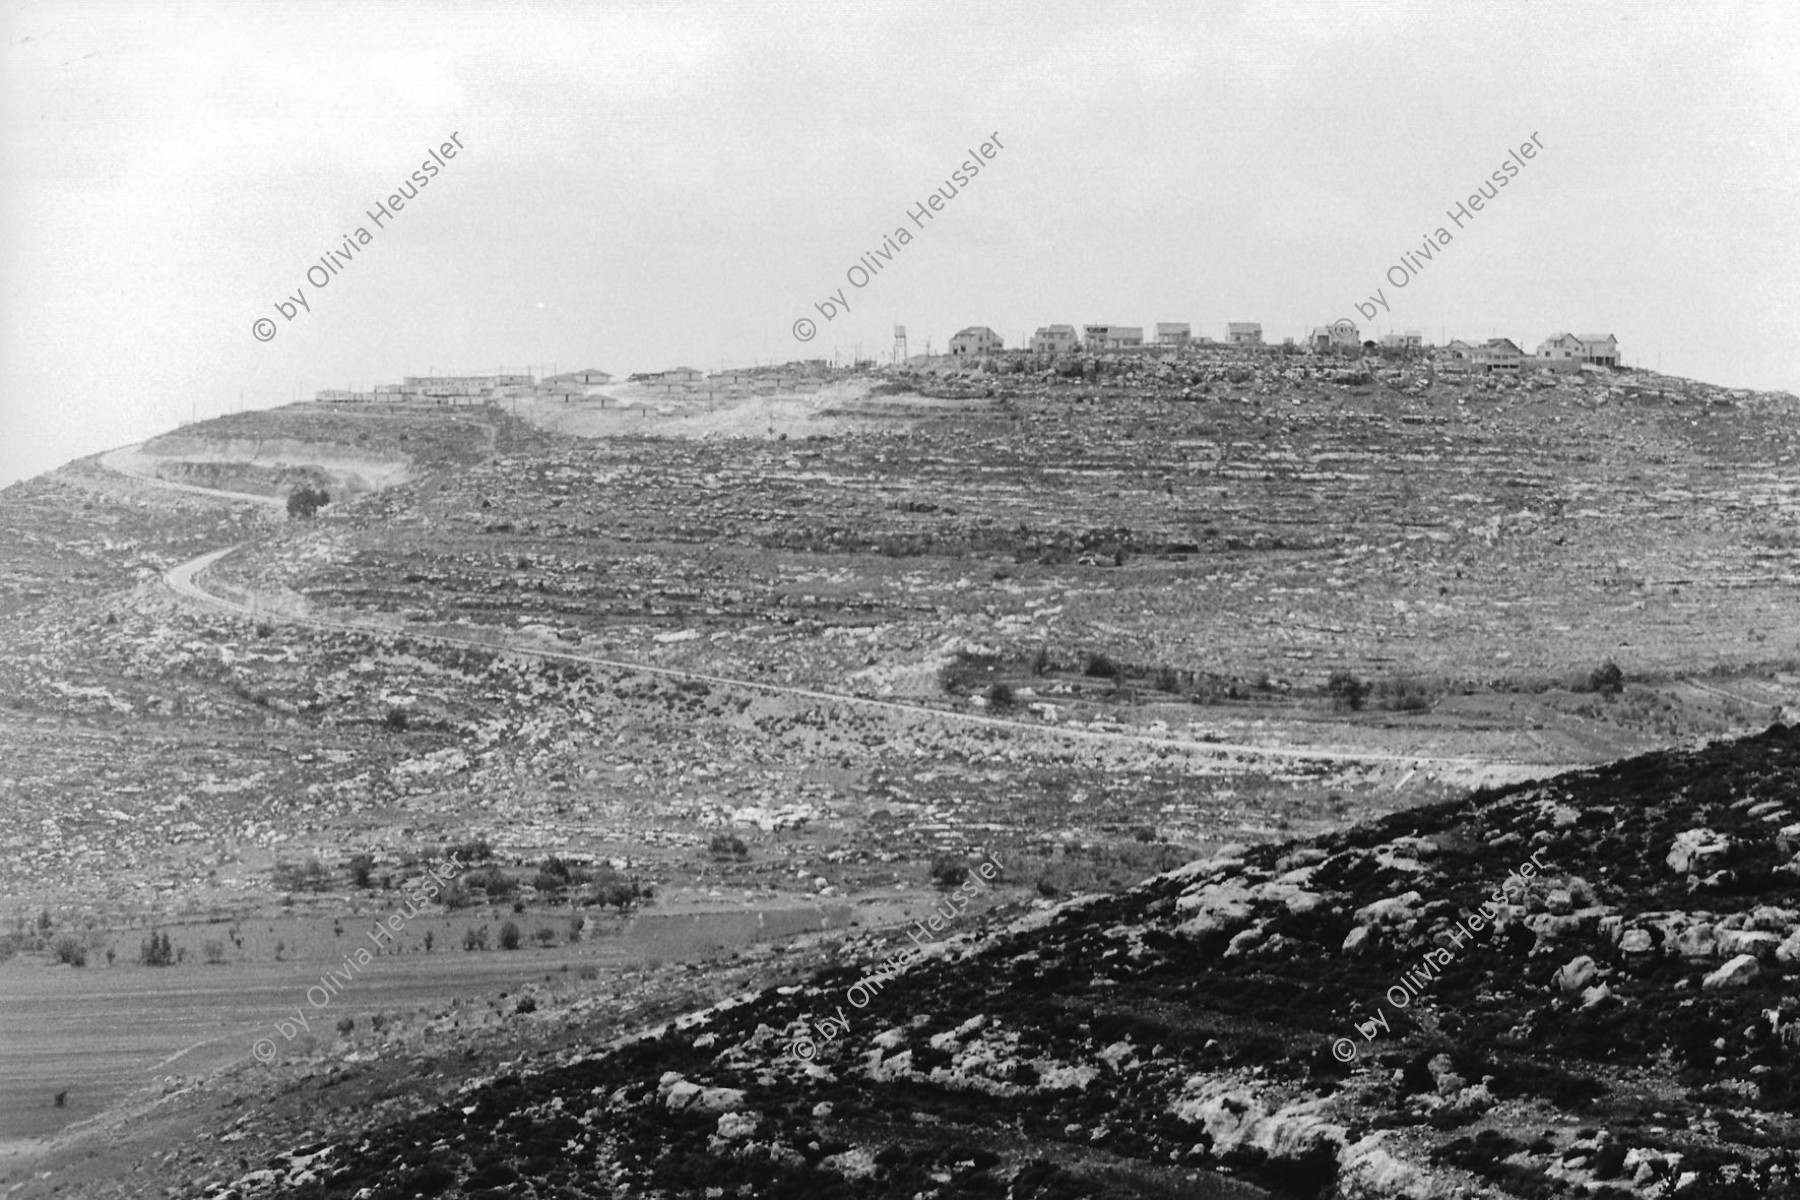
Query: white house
{"points": [[976, 339], [1244, 333], [1341, 333], [1498, 354], [1112, 337], [1601, 349], [1054, 339]]}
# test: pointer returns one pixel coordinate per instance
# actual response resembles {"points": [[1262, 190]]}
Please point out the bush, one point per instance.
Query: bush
{"points": [[1606, 679], [948, 872], [496, 883], [475, 939], [395, 719], [1099, 666], [1167, 679], [545, 936], [361, 867], [1404, 694], [966, 671], [1346, 690], [525, 1005], [727, 846], [576, 923], [475, 851], [214, 950], [554, 874], [156, 951], [306, 502], [310, 876], [1000, 696], [346, 1025], [509, 936], [68, 949], [1040, 662]]}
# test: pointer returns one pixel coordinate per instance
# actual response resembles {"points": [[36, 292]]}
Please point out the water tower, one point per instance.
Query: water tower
{"points": [[899, 344]]}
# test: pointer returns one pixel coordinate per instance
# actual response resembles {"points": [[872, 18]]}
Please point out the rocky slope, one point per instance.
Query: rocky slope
{"points": [[1581, 987]]}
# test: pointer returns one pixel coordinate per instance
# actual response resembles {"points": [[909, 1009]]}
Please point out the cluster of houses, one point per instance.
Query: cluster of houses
{"points": [[468, 389], [1564, 351], [1065, 339], [585, 384], [1561, 352]]}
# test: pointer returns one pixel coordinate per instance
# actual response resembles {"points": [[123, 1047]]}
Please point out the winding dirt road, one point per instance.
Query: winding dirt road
{"points": [[183, 580]]}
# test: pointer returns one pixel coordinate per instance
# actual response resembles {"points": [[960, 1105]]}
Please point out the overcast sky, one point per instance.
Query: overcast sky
{"points": [[643, 186]]}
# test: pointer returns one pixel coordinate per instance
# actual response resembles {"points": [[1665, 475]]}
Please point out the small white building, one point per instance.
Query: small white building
{"points": [[585, 375], [976, 339], [1601, 349], [1340, 334], [1173, 333], [1055, 339], [1112, 337], [1498, 354], [1244, 333]]}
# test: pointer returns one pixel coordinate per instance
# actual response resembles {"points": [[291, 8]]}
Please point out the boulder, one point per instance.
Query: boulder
{"points": [[1576, 974], [1694, 847], [1734, 974]]}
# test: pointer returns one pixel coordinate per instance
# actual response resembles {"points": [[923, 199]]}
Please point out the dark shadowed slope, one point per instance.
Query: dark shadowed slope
{"points": [[1624, 1025]]}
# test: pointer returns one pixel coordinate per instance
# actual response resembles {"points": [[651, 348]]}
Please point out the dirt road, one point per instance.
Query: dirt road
{"points": [[182, 580]]}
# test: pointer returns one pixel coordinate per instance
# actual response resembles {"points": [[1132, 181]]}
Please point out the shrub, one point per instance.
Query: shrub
{"points": [[1346, 690], [1040, 662], [306, 502], [475, 851], [1167, 679], [155, 951], [965, 671], [346, 1025], [475, 939], [576, 922], [727, 846], [1404, 694], [509, 936], [310, 876], [362, 866], [545, 936], [395, 719], [214, 950], [525, 1005], [68, 949], [1606, 679], [948, 872], [496, 883], [1099, 666], [1000, 696]]}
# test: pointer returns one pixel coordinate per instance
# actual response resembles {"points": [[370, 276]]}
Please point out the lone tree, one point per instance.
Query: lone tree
{"points": [[303, 504], [1607, 679], [948, 872], [1346, 690]]}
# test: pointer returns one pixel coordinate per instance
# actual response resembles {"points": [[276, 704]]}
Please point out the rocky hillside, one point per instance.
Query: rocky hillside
{"points": [[1574, 988]]}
